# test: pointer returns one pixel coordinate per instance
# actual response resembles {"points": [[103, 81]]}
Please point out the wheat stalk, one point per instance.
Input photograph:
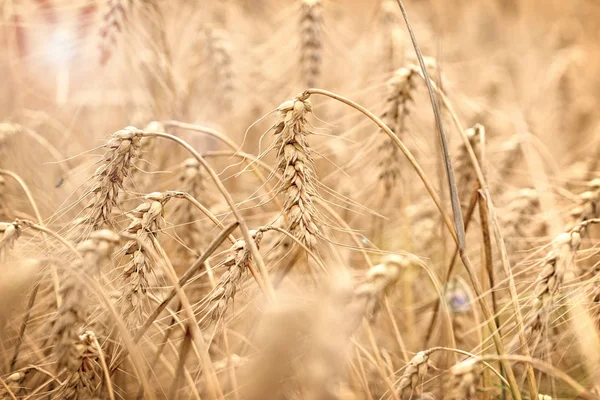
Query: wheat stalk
{"points": [[71, 316], [187, 218], [465, 175]]}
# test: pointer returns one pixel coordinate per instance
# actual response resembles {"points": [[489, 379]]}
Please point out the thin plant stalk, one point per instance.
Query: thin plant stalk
{"points": [[450, 269], [497, 235], [266, 282], [230, 143], [212, 247], [463, 255], [398, 142]]}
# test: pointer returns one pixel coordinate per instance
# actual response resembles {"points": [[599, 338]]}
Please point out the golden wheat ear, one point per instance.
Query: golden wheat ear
{"points": [[121, 152], [296, 166], [311, 41], [112, 25]]}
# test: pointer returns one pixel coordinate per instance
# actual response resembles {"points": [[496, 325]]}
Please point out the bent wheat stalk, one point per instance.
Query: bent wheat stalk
{"points": [[397, 142], [265, 282]]}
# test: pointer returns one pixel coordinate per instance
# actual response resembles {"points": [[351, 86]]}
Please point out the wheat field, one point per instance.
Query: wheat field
{"points": [[302, 199]]}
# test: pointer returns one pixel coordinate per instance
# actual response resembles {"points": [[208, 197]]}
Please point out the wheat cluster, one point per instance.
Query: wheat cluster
{"points": [[311, 199]]}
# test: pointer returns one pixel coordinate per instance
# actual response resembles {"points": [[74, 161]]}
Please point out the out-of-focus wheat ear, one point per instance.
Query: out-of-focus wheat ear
{"points": [[400, 90], [112, 26], [236, 262], [415, 372], [193, 181], [519, 222], [85, 381], [85, 17], [378, 281], [393, 43], [11, 231], [156, 62], [47, 10], [106, 183], [311, 41], [148, 150], [220, 54], [465, 174], [7, 131], [95, 252], [296, 166], [510, 153], [587, 210], [463, 381], [557, 263], [14, 385], [589, 204]]}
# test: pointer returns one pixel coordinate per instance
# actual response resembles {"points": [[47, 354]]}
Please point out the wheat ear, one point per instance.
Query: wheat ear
{"points": [[400, 90], [311, 41], [296, 166], [94, 252], [236, 262], [146, 221], [121, 151], [112, 24]]}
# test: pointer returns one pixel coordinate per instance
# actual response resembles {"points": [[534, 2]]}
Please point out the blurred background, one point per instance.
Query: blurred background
{"points": [[72, 72]]}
